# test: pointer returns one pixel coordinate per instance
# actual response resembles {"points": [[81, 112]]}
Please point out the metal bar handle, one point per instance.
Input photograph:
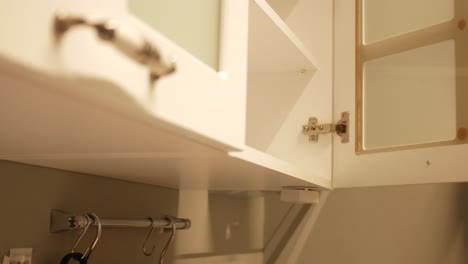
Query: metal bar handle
{"points": [[63, 221], [125, 39], [80, 222]]}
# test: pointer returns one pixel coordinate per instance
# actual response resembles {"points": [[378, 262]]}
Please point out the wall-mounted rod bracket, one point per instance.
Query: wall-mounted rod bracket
{"points": [[313, 129]]}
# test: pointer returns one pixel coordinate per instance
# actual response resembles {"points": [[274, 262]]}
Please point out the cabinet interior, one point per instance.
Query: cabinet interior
{"points": [[279, 70]]}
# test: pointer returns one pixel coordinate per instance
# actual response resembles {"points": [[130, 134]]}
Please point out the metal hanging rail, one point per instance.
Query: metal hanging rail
{"points": [[61, 221]]}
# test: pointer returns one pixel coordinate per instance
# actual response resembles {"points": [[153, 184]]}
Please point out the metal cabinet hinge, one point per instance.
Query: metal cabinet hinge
{"points": [[313, 129]]}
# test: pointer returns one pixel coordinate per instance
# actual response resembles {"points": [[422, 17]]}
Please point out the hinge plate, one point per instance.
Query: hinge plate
{"points": [[298, 194], [313, 129]]}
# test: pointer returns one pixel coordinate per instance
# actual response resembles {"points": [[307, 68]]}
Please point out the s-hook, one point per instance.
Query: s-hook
{"points": [[89, 250], [83, 258], [168, 243], [153, 227]]}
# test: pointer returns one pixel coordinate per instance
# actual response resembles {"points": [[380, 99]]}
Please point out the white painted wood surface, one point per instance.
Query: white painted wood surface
{"points": [[217, 172], [48, 128], [279, 103], [282, 8], [216, 99], [273, 46], [411, 17], [80, 107], [68, 111], [447, 163], [399, 95], [298, 241], [264, 160]]}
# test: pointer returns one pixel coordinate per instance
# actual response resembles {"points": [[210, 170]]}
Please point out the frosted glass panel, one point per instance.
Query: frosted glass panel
{"points": [[193, 25], [383, 19], [410, 97]]}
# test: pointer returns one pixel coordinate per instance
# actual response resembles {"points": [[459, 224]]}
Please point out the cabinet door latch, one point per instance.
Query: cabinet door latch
{"points": [[313, 129]]}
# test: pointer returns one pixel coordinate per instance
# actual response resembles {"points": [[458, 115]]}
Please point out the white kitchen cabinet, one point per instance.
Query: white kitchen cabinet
{"points": [[187, 100], [79, 104]]}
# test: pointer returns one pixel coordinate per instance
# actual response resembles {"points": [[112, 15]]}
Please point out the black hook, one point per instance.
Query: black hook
{"points": [[75, 256]]}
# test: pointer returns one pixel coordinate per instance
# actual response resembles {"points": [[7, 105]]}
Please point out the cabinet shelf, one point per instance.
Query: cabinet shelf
{"points": [[279, 166], [44, 125], [280, 91], [238, 171], [273, 47]]}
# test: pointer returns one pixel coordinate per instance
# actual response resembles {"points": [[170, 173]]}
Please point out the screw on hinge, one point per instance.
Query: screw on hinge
{"points": [[73, 222], [340, 128]]}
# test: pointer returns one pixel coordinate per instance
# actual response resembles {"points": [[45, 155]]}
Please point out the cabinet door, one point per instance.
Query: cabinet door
{"points": [[203, 99], [400, 72]]}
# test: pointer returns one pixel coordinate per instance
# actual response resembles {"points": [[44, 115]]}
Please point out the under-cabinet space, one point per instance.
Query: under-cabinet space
{"points": [[30, 192], [286, 85]]}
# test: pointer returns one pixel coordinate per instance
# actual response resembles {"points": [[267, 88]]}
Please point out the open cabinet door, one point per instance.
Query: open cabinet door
{"points": [[80, 90], [404, 84], [59, 53]]}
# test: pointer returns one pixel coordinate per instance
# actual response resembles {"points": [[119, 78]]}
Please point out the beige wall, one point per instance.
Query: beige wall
{"points": [[27, 193], [419, 224]]}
